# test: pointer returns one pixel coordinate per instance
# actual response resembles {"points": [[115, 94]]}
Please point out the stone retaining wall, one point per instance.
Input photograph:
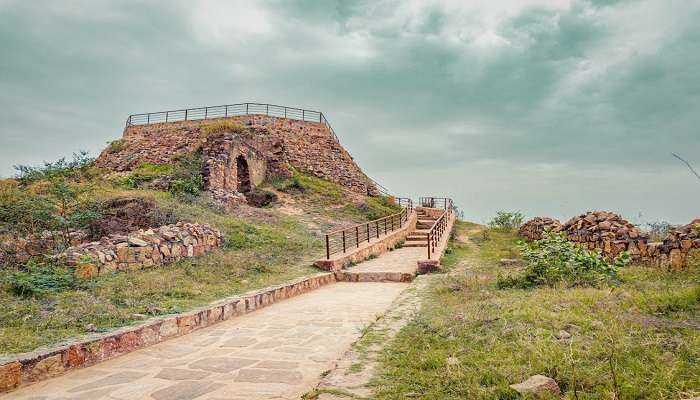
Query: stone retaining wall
{"points": [[21, 249], [612, 235], [42, 364], [143, 248]]}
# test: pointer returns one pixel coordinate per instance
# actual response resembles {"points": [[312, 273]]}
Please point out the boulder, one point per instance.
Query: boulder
{"points": [[537, 385]]}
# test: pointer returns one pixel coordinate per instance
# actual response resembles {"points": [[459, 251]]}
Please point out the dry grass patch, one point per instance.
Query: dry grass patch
{"points": [[638, 340]]}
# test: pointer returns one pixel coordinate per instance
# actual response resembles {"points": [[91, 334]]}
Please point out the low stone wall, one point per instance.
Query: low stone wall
{"points": [[535, 228], [143, 248], [21, 249], [43, 364], [373, 248], [612, 235]]}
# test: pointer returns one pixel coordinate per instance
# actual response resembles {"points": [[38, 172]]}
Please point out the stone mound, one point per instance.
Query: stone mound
{"points": [[596, 226], [534, 228]]}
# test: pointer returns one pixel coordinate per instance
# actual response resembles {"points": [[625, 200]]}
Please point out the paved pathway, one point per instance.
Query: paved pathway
{"points": [[277, 352], [400, 260]]}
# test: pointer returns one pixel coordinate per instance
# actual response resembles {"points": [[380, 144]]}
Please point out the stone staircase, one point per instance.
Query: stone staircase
{"points": [[419, 237]]}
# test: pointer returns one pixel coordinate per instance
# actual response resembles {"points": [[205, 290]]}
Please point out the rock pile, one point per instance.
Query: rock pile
{"points": [[597, 226], [143, 248], [534, 228]]}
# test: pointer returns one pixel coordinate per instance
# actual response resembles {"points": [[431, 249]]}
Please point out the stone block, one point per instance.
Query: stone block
{"points": [[10, 376]]}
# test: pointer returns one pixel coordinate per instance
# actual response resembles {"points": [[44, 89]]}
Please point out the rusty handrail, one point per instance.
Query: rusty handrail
{"points": [[345, 239]]}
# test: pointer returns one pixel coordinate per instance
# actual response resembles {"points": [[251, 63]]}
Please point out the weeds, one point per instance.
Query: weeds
{"points": [[554, 259]]}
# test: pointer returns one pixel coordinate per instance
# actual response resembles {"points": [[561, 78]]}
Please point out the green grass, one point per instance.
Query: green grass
{"points": [[471, 341], [263, 247]]}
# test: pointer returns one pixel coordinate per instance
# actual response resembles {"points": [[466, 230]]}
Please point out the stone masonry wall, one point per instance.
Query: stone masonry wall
{"points": [[143, 248], [284, 143], [612, 234]]}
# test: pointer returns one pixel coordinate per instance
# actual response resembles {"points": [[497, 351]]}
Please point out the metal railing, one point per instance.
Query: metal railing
{"points": [[343, 240], [439, 228], [231, 110], [436, 202], [405, 202]]}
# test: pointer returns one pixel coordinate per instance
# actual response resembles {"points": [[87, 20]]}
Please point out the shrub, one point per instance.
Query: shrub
{"points": [[554, 259], [115, 146], [507, 220], [187, 180], [78, 168], [58, 206], [658, 230], [223, 126], [35, 279], [147, 172], [380, 206]]}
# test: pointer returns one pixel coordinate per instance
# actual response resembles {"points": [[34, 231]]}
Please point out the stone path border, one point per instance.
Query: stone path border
{"points": [[47, 363]]}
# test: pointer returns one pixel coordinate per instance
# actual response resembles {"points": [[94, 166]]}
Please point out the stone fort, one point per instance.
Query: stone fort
{"points": [[240, 147]]}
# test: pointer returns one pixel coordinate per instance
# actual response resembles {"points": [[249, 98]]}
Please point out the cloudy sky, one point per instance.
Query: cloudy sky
{"points": [[550, 107]]}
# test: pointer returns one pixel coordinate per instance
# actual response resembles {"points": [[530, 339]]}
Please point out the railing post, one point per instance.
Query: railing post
{"points": [[246, 108], [186, 114], [148, 119], [226, 112], [343, 241], [303, 115], [368, 233], [267, 109], [206, 111], [285, 112], [328, 249], [377, 229], [166, 115], [357, 235], [428, 245]]}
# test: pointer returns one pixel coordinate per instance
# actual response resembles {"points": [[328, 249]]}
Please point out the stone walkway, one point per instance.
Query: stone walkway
{"points": [[278, 352], [400, 260]]}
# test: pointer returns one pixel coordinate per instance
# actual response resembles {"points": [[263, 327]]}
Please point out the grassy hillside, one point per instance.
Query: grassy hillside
{"points": [[637, 338], [43, 303]]}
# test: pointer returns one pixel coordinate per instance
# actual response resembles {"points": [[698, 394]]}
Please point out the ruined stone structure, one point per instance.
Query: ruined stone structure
{"points": [[612, 234], [237, 160], [534, 228], [142, 248]]}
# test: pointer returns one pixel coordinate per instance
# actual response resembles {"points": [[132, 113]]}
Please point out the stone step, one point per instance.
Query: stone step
{"points": [[417, 238], [415, 244]]}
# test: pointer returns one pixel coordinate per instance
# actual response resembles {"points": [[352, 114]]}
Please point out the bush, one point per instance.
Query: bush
{"points": [[37, 278], [658, 230], [147, 172], [379, 207], [554, 259], [223, 126], [78, 168], [187, 180], [58, 206], [115, 146], [507, 220]]}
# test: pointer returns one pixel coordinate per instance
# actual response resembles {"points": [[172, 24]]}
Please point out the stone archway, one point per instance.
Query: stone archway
{"points": [[242, 175]]}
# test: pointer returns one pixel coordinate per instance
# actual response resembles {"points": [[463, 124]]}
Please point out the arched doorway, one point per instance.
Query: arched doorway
{"points": [[242, 174]]}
